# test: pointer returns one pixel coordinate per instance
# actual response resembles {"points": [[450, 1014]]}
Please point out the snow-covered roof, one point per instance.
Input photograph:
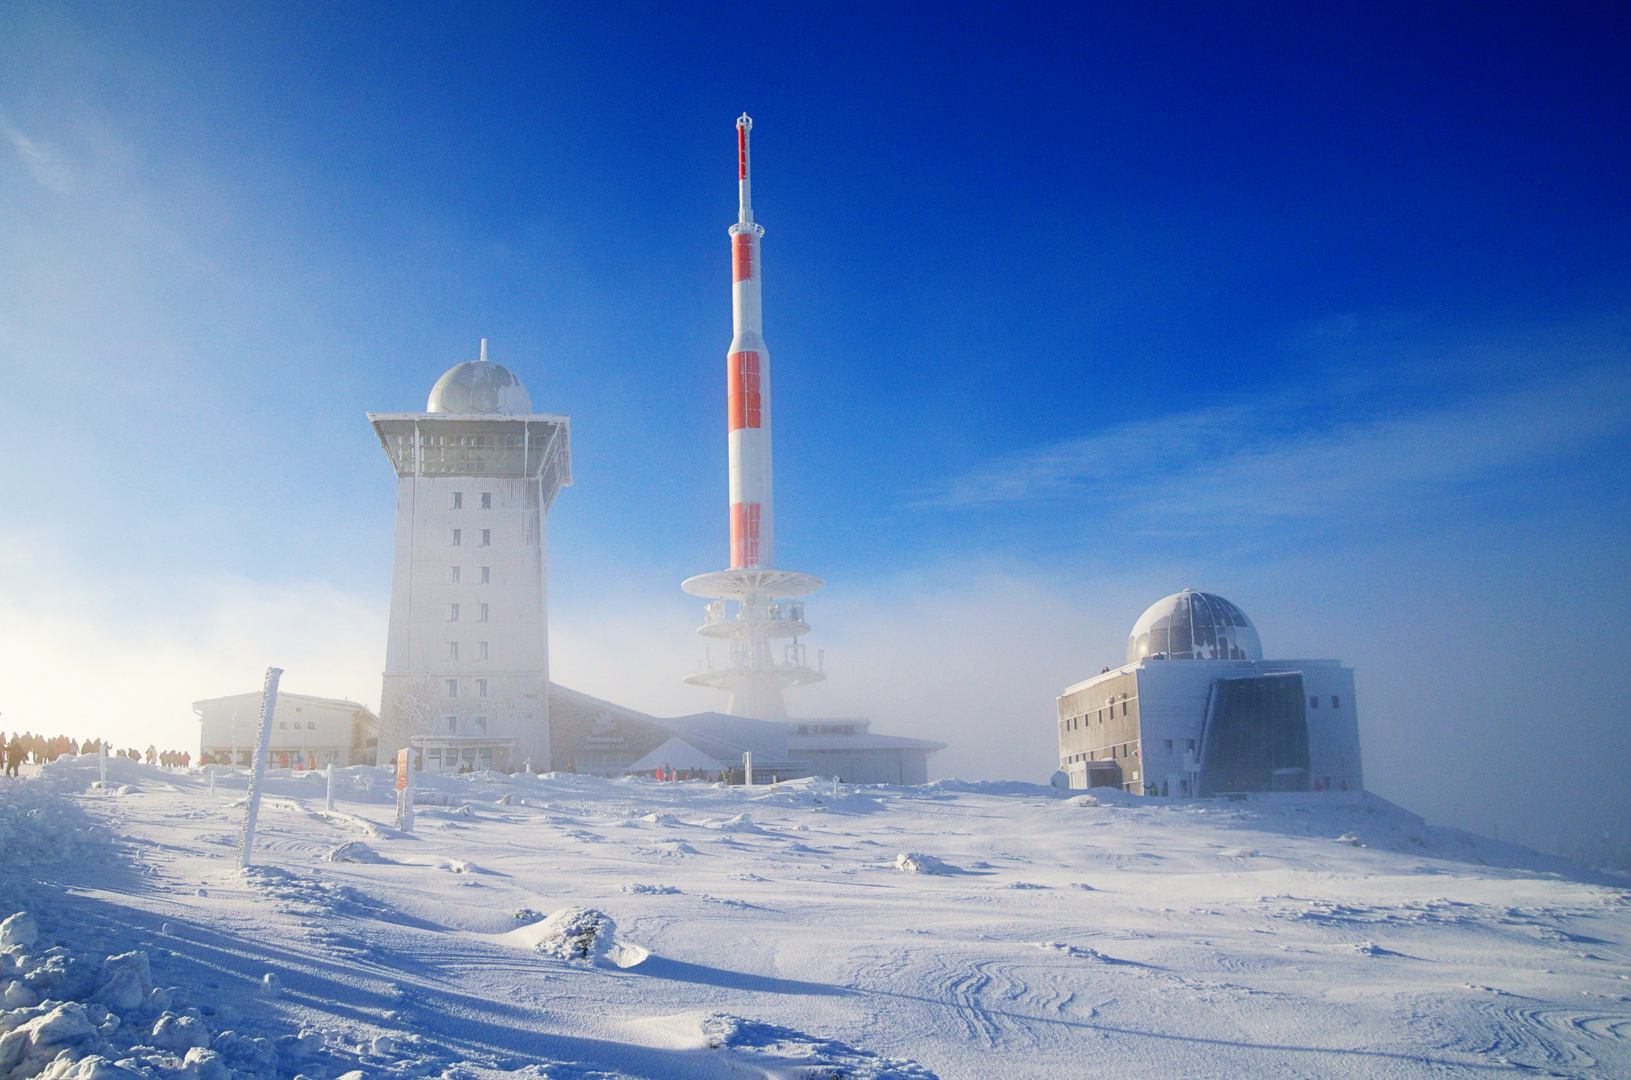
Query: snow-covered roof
{"points": [[861, 742], [676, 753]]}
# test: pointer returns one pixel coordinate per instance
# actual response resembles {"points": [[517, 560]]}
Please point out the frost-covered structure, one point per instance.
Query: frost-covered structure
{"points": [[467, 653], [1196, 710]]}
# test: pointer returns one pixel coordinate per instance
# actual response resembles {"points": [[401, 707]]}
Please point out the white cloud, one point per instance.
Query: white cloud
{"points": [[43, 161], [1300, 455]]}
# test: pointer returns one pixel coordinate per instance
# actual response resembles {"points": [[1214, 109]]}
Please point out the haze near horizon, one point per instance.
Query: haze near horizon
{"points": [[1327, 313]]}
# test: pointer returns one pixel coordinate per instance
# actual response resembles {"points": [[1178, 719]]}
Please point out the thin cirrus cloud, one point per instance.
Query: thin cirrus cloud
{"points": [[1284, 457]]}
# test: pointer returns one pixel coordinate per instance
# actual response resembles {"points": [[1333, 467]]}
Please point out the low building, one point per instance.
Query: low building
{"points": [[1197, 711], [846, 748], [592, 735], [307, 732]]}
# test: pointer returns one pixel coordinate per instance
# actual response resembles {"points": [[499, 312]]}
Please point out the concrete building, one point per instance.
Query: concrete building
{"points": [[591, 735], [307, 732], [467, 651], [1197, 711]]}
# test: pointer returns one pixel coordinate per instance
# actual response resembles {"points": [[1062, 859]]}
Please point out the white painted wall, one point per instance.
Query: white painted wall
{"points": [[1172, 696], [319, 728], [506, 538]]}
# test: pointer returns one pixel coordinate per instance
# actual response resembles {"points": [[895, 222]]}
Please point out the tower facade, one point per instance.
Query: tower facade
{"points": [[753, 606], [467, 651]]}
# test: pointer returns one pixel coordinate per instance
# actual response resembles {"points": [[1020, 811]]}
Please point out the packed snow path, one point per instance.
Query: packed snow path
{"points": [[951, 930]]}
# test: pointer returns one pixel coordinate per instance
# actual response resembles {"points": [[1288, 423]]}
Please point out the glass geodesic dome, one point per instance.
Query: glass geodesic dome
{"points": [[1194, 626]]}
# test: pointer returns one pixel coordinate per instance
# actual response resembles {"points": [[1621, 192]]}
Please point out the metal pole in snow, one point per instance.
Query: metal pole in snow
{"points": [[257, 774], [747, 767], [329, 801], [102, 759]]}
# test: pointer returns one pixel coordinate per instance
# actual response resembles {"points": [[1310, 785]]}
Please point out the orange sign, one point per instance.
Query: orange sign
{"points": [[402, 770]]}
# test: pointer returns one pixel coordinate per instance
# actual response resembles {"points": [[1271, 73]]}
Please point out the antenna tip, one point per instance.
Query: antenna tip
{"points": [[744, 121]]}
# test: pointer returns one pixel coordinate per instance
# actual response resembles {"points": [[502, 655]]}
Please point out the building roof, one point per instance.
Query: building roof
{"points": [[283, 695], [862, 742], [678, 754], [477, 386], [1192, 625]]}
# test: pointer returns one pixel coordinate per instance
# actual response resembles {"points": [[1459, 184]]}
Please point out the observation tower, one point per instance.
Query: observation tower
{"points": [[753, 605]]}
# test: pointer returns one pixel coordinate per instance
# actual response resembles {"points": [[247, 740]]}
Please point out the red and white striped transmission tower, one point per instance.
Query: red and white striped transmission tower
{"points": [[765, 613]]}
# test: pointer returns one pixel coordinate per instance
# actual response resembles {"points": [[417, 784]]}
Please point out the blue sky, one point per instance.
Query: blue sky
{"points": [[1326, 311]]}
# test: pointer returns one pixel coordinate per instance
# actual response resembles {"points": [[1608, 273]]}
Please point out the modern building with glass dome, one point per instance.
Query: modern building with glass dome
{"points": [[467, 650], [1197, 711]]}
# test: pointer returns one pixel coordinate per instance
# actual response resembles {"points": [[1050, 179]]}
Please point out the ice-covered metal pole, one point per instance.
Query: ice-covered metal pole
{"points": [[747, 373], [257, 774]]}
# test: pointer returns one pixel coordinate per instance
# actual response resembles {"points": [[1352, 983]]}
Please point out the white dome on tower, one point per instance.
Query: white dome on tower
{"points": [[480, 387], [1194, 626]]}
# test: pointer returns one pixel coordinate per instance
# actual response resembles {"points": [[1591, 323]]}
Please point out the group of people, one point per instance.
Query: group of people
{"points": [[23, 747]]}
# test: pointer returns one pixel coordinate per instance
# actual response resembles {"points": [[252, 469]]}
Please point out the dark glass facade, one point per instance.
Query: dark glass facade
{"points": [[1256, 736]]}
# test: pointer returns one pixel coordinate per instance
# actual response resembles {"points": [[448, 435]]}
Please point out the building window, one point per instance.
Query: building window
{"points": [[452, 725], [481, 650], [453, 650], [457, 501], [1169, 744], [453, 613], [1191, 744], [1124, 706], [487, 575], [452, 687], [1336, 702], [486, 537], [481, 613], [1313, 703], [453, 575], [487, 500], [480, 723], [311, 725], [481, 687], [458, 536], [283, 725]]}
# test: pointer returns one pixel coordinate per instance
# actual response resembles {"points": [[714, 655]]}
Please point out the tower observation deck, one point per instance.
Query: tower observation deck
{"points": [[753, 606]]}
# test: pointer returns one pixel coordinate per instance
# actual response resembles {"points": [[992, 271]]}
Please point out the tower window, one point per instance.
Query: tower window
{"points": [[487, 500], [452, 725], [453, 575], [456, 501], [481, 687], [481, 614], [1169, 744], [453, 650], [481, 650], [1313, 703], [1336, 701], [452, 687], [487, 575], [457, 538], [453, 613], [486, 537]]}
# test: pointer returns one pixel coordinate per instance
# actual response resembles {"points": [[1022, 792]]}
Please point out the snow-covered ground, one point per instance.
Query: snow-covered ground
{"points": [[566, 926]]}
